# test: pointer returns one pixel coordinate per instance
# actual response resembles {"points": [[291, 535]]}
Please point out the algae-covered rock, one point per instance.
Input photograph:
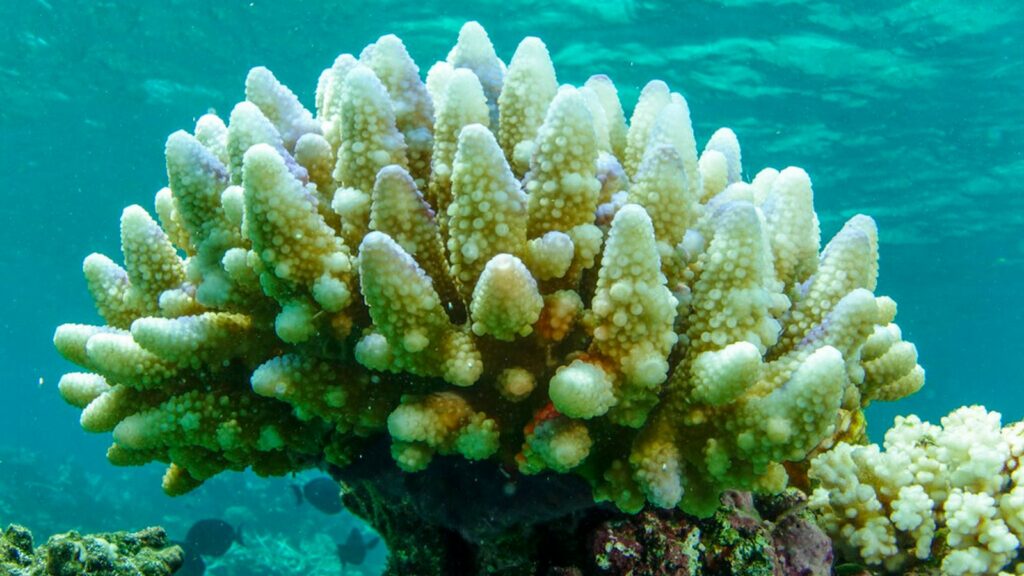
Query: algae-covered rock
{"points": [[15, 549], [744, 537], [143, 553]]}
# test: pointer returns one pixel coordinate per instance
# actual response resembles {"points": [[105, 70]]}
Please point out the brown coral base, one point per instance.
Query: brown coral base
{"points": [[459, 517]]}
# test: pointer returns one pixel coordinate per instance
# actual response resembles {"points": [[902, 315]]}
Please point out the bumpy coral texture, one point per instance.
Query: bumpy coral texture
{"points": [[481, 264], [952, 495]]}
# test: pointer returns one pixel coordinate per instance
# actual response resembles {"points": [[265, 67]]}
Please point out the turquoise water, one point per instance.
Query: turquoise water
{"points": [[912, 113]]}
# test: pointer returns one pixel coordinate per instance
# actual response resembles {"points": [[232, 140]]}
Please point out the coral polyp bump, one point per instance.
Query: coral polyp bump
{"points": [[486, 264]]}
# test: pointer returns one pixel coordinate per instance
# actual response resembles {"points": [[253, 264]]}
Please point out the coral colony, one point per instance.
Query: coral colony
{"points": [[953, 493], [490, 265]]}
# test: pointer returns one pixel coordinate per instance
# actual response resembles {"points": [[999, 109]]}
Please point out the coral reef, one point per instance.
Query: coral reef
{"points": [[483, 264], [273, 553], [143, 553], [948, 498]]}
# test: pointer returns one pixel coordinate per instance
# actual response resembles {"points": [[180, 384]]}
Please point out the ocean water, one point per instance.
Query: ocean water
{"points": [[911, 112]]}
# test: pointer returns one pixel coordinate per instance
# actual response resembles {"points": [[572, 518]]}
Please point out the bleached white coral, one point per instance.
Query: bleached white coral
{"points": [[956, 482]]}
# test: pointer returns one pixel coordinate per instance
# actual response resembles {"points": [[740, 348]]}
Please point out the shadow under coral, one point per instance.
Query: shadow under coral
{"points": [[462, 517]]}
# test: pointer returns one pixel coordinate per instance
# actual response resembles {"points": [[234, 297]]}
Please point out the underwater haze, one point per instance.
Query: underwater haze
{"points": [[910, 112]]}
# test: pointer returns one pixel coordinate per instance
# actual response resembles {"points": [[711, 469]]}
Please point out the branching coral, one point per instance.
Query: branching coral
{"points": [[483, 264], [952, 494]]}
